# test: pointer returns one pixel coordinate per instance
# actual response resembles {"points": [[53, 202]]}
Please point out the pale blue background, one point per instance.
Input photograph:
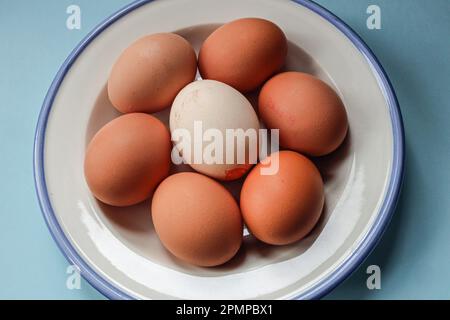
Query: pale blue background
{"points": [[414, 48]]}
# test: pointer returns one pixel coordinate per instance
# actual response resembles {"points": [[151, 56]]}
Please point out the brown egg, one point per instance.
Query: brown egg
{"points": [[149, 73], [283, 207], [243, 53], [310, 115], [197, 219], [127, 158]]}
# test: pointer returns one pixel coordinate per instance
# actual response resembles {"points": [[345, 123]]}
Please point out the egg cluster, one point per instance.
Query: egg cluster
{"points": [[196, 218]]}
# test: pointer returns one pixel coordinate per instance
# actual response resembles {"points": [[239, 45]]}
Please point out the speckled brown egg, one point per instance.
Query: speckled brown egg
{"points": [[309, 114], [148, 74], [243, 53], [127, 158], [282, 206], [197, 219]]}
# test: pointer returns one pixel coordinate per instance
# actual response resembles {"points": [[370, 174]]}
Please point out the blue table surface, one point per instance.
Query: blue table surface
{"points": [[413, 45]]}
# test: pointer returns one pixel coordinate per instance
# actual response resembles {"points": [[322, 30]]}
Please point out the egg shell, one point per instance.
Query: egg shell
{"points": [[217, 106], [243, 53], [309, 114], [197, 219], [149, 73], [127, 158], [282, 208]]}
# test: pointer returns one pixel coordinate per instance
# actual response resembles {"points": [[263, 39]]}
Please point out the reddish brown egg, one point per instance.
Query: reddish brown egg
{"points": [[197, 219], [310, 115], [283, 207], [243, 53], [149, 73], [127, 158]]}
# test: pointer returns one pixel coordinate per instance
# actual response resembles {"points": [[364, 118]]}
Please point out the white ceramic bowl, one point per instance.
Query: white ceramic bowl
{"points": [[118, 251]]}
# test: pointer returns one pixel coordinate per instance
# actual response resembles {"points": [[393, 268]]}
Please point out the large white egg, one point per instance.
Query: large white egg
{"points": [[215, 129]]}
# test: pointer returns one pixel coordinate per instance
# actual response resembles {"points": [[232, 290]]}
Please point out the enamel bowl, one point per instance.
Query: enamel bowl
{"points": [[118, 251]]}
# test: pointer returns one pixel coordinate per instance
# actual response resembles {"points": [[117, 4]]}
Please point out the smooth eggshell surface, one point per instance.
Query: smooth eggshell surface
{"points": [[282, 208], [148, 74], [217, 107], [197, 219], [243, 53], [309, 114], [127, 158]]}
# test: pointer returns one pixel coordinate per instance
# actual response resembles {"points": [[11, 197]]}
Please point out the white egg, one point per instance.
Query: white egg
{"points": [[215, 129]]}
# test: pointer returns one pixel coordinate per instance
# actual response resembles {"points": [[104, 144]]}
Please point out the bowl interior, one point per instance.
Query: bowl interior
{"points": [[133, 225]]}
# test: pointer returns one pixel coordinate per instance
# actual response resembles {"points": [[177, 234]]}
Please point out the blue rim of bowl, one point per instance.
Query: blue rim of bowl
{"points": [[323, 286]]}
